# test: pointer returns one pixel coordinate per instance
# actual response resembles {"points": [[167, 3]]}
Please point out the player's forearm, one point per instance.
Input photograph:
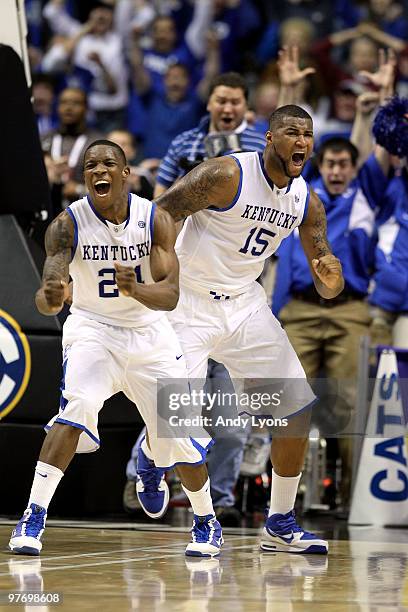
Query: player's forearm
{"points": [[158, 296]]}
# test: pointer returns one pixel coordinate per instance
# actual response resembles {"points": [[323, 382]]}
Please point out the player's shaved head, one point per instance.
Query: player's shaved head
{"points": [[278, 116], [107, 143]]}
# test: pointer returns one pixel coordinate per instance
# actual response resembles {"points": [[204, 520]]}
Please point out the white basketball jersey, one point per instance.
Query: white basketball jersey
{"points": [[98, 245], [222, 251]]}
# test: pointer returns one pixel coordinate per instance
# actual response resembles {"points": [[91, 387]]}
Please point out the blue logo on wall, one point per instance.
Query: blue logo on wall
{"points": [[15, 363]]}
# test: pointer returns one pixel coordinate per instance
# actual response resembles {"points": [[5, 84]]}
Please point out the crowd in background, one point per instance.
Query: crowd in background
{"points": [[146, 74]]}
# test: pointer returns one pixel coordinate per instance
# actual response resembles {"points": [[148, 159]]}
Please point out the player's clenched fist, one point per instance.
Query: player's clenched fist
{"points": [[328, 269], [125, 279], [55, 293]]}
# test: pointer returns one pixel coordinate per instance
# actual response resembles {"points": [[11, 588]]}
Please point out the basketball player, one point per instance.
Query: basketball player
{"points": [[238, 209], [119, 250]]}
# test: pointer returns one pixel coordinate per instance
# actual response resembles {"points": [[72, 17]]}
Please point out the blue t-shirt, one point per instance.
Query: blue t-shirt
{"points": [[156, 64], [166, 120]]}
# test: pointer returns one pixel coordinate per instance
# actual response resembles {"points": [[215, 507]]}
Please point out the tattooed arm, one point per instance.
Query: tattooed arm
{"points": [[325, 267], [215, 182], [59, 239]]}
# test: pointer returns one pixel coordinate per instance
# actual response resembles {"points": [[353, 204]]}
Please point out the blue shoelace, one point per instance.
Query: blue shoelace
{"points": [[151, 480], [34, 524], [202, 531], [288, 523]]}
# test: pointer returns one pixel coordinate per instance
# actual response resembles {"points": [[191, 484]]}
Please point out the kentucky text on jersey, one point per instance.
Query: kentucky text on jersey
{"points": [[272, 215], [98, 252]]}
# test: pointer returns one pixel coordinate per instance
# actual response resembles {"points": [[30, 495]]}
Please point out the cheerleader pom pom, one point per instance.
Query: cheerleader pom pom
{"points": [[390, 127]]}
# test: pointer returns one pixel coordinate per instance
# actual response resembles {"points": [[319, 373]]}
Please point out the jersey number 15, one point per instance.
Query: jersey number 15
{"points": [[258, 240]]}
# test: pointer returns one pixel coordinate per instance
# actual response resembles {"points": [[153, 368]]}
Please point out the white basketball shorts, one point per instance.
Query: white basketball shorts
{"points": [[100, 360], [243, 334]]}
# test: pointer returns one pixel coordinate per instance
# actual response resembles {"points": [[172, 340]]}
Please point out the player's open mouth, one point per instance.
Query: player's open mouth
{"points": [[102, 188], [298, 159]]}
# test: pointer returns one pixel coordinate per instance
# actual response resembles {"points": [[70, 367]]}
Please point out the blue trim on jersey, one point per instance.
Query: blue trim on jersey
{"points": [[95, 211], [129, 204], [78, 426], [152, 221], [63, 400], [203, 452], [73, 248], [267, 178], [235, 200], [289, 185], [306, 208]]}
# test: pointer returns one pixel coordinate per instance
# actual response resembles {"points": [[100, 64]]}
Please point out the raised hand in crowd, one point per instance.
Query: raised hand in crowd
{"points": [[384, 77], [291, 77], [290, 73]]}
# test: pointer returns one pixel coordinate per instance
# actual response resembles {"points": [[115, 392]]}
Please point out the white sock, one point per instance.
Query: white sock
{"points": [[146, 450], [283, 493], [200, 501], [46, 480]]}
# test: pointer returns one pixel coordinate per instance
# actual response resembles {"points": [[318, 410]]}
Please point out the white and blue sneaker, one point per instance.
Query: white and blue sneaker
{"points": [[151, 487], [26, 537], [282, 534], [206, 537]]}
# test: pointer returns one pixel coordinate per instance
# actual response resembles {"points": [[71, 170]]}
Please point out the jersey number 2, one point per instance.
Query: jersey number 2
{"points": [[107, 286], [259, 240]]}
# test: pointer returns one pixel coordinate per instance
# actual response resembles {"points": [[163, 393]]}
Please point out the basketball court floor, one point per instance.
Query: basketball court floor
{"points": [[134, 566]]}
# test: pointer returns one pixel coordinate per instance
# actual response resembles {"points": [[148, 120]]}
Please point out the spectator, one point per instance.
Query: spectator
{"points": [[325, 335], [179, 107], [389, 298], [235, 23], [227, 105], [142, 176], [97, 50], [265, 101], [44, 103], [386, 15], [298, 32], [320, 13], [64, 148], [166, 49]]}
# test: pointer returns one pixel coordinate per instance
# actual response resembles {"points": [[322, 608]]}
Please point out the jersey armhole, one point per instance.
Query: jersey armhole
{"points": [[235, 200], [152, 222], [74, 221], [306, 207]]}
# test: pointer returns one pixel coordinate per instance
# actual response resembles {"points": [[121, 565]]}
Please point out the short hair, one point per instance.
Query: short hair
{"points": [[229, 79], [107, 143], [180, 65], [77, 90], [337, 144], [289, 110]]}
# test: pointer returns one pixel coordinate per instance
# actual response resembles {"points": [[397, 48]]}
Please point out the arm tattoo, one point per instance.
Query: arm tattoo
{"points": [[199, 189], [58, 243], [319, 230]]}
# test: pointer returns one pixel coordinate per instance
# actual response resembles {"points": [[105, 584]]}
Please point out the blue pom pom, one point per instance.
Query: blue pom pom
{"points": [[390, 127]]}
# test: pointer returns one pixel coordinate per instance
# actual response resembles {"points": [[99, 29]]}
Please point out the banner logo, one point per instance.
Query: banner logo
{"points": [[15, 363]]}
